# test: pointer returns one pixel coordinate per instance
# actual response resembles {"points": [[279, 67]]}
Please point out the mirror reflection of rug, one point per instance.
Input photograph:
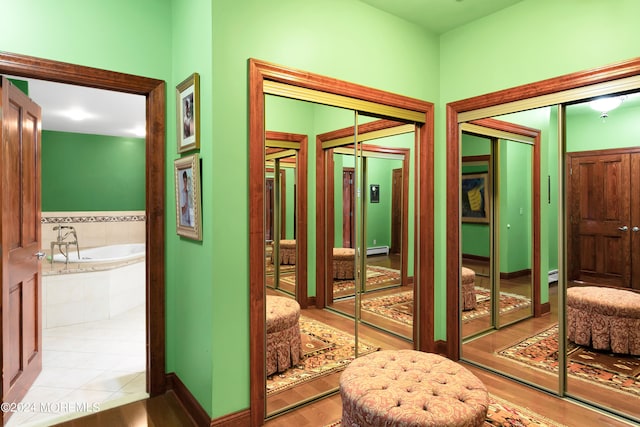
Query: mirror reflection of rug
{"points": [[377, 277], [502, 413], [325, 350], [616, 371], [508, 302], [399, 306]]}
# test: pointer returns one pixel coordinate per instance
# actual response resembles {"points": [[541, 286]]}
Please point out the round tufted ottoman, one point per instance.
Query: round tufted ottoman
{"points": [[604, 318], [343, 263], [283, 334], [411, 388], [468, 289]]}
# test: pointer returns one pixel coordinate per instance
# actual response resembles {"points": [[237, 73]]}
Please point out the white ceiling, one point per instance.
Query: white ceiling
{"points": [[107, 112]]}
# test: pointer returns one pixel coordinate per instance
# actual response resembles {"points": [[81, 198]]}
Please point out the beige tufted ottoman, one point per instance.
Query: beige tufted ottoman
{"points": [[343, 263], [604, 318], [468, 289], [411, 388], [283, 334]]}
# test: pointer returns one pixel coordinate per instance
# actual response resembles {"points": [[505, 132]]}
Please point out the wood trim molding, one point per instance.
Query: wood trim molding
{"points": [[187, 400], [261, 71], [155, 93], [515, 274], [581, 79], [301, 210]]}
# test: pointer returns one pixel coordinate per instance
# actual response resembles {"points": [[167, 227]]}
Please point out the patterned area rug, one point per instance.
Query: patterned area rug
{"points": [[614, 371], [502, 413], [377, 277], [324, 350], [399, 306], [508, 302]]}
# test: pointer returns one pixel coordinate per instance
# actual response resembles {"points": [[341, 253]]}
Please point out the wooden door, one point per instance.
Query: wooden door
{"points": [[348, 217], [600, 250], [635, 220], [20, 231], [396, 211], [268, 209]]}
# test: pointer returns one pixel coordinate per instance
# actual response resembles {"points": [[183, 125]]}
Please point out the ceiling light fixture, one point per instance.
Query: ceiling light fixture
{"points": [[606, 104], [77, 114]]}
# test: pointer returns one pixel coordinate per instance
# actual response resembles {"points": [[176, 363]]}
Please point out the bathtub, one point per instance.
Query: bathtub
{"points": [[112, 253], [93, 289]]}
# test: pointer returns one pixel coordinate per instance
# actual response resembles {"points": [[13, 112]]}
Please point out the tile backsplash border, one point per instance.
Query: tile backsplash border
{"points": [[79, 217], [98, 228]]}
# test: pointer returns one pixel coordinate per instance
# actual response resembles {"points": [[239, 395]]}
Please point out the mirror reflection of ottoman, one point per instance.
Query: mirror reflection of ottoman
{"points": [[343, 263], [468, 289], [604, 318], [284, 347], [411, 388], [287, 252]]}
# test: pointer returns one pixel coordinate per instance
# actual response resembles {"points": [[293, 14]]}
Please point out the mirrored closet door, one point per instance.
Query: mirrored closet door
{"points": [[583, 234], [332, 160], [377, 231]]}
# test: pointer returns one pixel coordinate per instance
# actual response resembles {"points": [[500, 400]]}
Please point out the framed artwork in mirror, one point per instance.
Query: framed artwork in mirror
{"points": [[476, 197], [374, 193], [188, 197], [188, 113]]}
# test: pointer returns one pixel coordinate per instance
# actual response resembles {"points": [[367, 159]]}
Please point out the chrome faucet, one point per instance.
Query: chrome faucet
{"points": [[61, 240]]}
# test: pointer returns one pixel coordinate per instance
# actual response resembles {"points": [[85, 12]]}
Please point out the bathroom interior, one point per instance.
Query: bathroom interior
{"points": [[92, 256]]}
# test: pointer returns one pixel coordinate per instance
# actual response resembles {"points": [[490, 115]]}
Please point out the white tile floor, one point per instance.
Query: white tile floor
{"points": [[87, 366]]}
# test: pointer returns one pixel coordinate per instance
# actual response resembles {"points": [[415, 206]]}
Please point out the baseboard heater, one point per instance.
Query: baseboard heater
{"points": [[378, 250], [553, 276]]}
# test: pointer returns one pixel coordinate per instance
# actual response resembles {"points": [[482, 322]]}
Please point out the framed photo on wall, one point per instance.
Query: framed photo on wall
{"points": [[476, 197], [188, 113], [188, 197]]}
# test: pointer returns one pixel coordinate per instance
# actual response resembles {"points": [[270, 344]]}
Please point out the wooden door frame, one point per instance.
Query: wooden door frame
{"points": [[283, 201], [551, 86], [351, 213], [300, 208], [154, 92], [394, 207], [634, 204], [261, 72]]}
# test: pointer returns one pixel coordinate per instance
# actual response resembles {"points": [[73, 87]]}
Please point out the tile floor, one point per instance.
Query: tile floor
{"points": [[88, 366]]}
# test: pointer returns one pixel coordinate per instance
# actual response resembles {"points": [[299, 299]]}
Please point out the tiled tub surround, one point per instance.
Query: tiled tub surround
{"points": [[95, 228], [86, 292], [90, 291]]}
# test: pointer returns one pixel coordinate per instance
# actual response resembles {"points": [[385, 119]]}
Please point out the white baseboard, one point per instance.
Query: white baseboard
{"points": [[378, 250]]}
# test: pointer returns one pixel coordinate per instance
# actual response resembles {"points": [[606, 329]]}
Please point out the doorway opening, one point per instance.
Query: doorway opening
{"points": [[154, 92]]}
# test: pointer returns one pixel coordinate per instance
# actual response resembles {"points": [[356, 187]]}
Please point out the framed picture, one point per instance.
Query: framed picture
{"points": [[476, 197], [188, 113], [188, 196], [374, 193]]}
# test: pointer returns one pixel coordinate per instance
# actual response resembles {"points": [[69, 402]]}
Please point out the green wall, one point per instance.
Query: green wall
{"points": [[587, 131], [379, 214], [83, 172], [515, 199]]}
